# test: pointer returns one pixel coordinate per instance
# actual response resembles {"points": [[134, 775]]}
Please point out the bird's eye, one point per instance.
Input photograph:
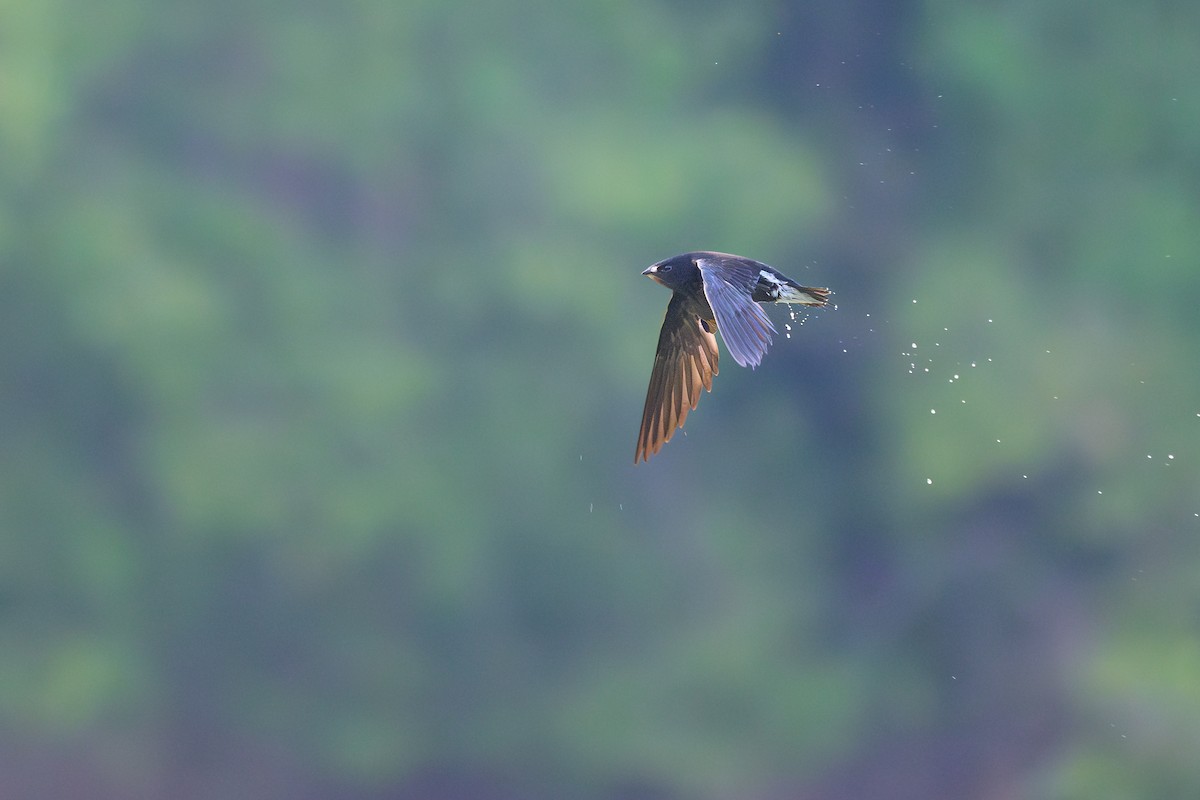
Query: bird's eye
{"points": [[665, 268]]}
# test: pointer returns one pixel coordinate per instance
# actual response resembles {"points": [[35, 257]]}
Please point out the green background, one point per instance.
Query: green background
{"points": [[323, 349]]}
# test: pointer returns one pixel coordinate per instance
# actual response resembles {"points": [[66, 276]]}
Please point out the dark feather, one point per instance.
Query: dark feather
{"points": [[685, 363]]}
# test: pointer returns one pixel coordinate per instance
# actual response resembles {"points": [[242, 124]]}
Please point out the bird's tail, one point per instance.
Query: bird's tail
{"points": [[804, 295]]}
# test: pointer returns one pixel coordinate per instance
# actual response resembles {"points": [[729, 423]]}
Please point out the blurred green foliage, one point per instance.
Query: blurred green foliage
{"points": [[323, 351]]}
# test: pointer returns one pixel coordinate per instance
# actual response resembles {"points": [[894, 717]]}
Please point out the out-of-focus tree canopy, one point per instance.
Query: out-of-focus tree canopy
{"points": [[323, 348]]}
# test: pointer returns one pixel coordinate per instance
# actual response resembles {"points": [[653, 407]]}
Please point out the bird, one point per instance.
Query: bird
{"points": [[710, 291]]}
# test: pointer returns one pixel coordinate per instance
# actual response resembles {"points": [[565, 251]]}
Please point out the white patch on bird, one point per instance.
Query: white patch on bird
{"points": [[778, 290]]}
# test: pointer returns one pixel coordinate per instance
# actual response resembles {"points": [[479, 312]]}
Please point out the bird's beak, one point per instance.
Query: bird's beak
{"points": [[651, 272]]}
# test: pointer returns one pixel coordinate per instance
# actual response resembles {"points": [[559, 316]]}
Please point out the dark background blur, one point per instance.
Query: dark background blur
{"points": [[323, 349]]}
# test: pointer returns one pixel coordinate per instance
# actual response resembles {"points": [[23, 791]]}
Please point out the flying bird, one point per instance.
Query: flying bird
{"points": [[710, 291]]}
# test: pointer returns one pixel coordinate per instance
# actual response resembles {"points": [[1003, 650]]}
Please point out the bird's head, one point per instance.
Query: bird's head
{"points": [[673, 272]]}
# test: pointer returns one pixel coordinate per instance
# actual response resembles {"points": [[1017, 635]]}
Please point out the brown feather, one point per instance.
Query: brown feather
{"points": [[685, 362]]}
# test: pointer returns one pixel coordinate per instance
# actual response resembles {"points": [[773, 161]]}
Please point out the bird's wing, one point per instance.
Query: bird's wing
{"points": [[728, 284], [685, 363]]}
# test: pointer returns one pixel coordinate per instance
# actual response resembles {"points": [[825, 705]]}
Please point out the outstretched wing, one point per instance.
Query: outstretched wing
{"points": [[729, 284], [685, 363]]}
